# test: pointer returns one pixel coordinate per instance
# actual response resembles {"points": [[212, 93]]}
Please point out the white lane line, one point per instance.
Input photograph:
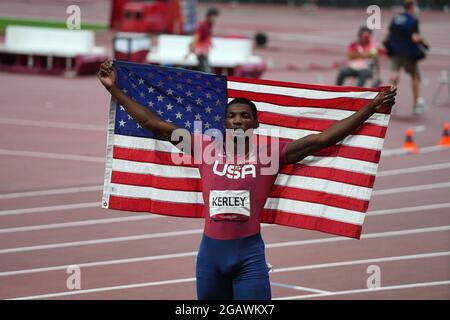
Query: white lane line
{"points": [[102, 241], [80, 223], [346, 292], [364, 261], [430, 167], [365, 236], [182, 280], [95, 204], [50, 192], [426, 207], [146, 216], [412, 188], [401, 151], [289, 286], [129, 286], [72, 206], [51, 124], [193, 253], [49, 155]]}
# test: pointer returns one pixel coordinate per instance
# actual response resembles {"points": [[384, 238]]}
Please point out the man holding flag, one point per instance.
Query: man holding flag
{"points": [[231, 260]]}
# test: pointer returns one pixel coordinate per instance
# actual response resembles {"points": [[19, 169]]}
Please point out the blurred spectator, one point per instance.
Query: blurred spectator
{"points": [[362, 60], [203, 39], [405, 47]]}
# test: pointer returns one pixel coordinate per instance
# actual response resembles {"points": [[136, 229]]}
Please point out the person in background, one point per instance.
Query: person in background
{"points": [[362, 60], [405, 47], [203, 39]]}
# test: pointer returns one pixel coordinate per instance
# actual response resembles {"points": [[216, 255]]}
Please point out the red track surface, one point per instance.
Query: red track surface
{"points": [[57, 230]]}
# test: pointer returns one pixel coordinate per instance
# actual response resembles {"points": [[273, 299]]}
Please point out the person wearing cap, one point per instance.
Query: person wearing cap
{"points": [[405, 47], [362, 59], [203, 39]]}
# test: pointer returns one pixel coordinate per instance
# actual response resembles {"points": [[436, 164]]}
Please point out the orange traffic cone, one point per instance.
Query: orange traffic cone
{"points": [[409, 143], [445, 139]]}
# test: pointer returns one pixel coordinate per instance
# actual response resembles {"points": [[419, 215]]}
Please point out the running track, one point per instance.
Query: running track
{"points": [[52, 144]]}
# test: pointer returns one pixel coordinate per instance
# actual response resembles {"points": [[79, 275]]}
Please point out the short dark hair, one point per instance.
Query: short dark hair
{"points": [[408, 4], [364, 29], [246, 102], [212, 12]]}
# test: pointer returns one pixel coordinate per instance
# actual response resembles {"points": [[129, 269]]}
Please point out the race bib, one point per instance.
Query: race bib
{"points": [[229, 205]]}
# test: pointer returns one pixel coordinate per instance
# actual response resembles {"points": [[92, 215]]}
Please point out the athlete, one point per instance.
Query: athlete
{"points": [[231, 259]]}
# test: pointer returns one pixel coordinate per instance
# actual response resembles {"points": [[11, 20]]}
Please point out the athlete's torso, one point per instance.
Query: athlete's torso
{"points": [[238, 190]]}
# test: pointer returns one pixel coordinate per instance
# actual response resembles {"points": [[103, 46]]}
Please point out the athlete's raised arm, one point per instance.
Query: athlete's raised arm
{"points": [[303, 147], [145, 117]]}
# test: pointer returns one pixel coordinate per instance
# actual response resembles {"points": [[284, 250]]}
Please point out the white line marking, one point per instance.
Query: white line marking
{"points": [[72, 206], [193, 253], [412, 188], [80, 223], [401, 151], [51, 124], [102, 241], [430, 167], [409, 209], [129, 286], [48, 155], [397, 287], [289, 286], [364, 261], [49, 192], [184, 280]]}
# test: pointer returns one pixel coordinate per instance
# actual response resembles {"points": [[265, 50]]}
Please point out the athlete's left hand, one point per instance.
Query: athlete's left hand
{"points": [[385, 99]]}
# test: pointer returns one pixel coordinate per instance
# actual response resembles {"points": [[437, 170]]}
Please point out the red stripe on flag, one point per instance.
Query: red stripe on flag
{"points": [[327, 199], [275, 119], [349, 152], [338, 175], [157, 207], [158, 157], [147, 180], [304, 86], [312, 223], [349, 104]]}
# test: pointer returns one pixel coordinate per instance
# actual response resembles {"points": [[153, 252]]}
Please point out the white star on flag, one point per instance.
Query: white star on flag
{"points": [[122, 123]]}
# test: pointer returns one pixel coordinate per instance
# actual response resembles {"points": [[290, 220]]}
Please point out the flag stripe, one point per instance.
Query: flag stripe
{"points": [[299, 92], [315, 210], [323, 185], [279, 104], [165, 195], [187, 210], [304, 123], [289, 133], [159, 170], [303, 85], [323, 198], [313, 223], [157, 157], [182, 184], [355, 178]]}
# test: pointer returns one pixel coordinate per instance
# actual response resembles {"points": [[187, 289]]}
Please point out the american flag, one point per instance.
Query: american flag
{"points": [[328, 191]]}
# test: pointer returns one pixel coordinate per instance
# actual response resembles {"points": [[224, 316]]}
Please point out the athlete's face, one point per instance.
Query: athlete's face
{"points": [[240, 116]]}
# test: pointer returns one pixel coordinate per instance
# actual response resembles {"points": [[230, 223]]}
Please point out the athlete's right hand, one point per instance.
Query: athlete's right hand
{"points": [[107, 74]]}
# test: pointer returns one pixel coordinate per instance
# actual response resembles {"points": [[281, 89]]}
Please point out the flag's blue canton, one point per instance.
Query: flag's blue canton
{"points": [[177, 95]]}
